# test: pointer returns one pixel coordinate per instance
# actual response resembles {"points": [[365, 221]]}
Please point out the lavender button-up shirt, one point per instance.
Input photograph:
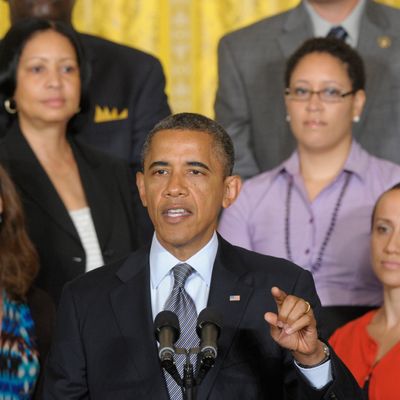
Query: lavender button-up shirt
{"points": [[256, 221]]}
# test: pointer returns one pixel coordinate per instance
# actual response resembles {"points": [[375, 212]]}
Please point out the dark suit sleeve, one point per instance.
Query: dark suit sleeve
{"points": [[343, 386], [150, 107], [232, 110], [65, 373]]}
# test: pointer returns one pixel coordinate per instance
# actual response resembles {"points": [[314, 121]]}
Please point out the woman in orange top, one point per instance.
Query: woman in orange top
{"points": [[370, 345]]}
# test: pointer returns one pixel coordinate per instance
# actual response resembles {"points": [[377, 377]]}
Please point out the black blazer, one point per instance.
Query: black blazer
{"points": [[106, 184], [104, 345]]}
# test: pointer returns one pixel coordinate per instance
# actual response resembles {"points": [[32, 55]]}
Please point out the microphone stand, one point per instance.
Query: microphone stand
{"points": [[188, 378], [189, 382]]}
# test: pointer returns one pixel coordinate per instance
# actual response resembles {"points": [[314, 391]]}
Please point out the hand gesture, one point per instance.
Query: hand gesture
{"points": [[295, 327]]}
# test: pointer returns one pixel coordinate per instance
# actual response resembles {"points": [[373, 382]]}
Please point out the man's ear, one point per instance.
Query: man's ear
{"points": [[141, 187], [232, 184]]}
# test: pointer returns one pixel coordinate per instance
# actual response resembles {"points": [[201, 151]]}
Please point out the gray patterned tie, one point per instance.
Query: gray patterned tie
{"points": [[338, 32], [183, 306]]}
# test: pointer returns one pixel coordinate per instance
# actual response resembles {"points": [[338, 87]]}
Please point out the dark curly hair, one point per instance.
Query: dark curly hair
{"points": [[336, 48]]}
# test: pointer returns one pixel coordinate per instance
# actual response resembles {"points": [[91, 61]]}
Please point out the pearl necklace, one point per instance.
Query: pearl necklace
{"points": [[314, 267]]}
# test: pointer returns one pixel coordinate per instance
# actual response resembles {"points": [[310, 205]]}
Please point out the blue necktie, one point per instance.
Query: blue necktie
{"points": [[183, 306], [338, 32]]}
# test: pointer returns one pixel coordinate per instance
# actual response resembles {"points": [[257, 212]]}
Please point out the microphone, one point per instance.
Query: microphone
{"points": [[208, 329], [166, 330]]}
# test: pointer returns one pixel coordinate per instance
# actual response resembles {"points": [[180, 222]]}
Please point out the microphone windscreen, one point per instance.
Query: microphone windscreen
{"points": [[168, 319], [209, 316]]}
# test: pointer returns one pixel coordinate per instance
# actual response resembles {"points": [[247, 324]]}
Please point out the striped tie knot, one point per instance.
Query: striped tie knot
{"points": [[181, 273], [337, 32]]}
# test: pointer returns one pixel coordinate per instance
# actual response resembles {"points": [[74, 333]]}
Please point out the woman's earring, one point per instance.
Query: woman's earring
{"points": [[356, 119], [287, 118], [10, 106]]}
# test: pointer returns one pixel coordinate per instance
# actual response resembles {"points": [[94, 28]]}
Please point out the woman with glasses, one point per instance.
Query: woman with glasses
{"points": [[314, 208]]}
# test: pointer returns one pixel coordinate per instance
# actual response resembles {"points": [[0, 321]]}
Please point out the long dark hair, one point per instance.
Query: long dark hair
{"points": [[19, 263]]}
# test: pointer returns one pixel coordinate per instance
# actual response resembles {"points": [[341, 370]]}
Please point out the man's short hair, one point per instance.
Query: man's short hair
{"points": [[196, 123]]}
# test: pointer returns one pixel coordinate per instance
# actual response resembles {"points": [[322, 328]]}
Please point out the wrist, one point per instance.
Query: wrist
{"points": [[313, 361]]}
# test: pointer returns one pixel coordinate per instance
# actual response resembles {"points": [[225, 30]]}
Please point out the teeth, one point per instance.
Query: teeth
{"points": [[176, 211]]}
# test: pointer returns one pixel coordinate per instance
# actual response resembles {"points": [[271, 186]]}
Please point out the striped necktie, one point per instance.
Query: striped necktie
{"points": [[338, 32], [183, 306]]}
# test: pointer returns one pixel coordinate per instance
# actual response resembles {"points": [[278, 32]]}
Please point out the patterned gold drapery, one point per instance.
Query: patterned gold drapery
{"points": [[182, 33]]}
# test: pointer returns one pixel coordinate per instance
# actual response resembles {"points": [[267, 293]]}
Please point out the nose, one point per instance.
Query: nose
{"points": [[393, 244], [54, 78], [314, 102], [176, 186]]}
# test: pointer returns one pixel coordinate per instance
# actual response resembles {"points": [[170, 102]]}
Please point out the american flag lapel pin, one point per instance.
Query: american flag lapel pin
{"points": [[234, 297]]}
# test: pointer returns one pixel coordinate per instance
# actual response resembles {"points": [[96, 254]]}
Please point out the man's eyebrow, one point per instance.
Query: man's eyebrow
{"points": [[198, 164], [158, 164]]}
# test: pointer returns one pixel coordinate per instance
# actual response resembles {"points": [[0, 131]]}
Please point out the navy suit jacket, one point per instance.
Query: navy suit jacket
{"points": [[104, 346]]}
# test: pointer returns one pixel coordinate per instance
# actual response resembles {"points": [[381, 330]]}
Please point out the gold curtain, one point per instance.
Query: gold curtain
{"points": [[183, 33]]}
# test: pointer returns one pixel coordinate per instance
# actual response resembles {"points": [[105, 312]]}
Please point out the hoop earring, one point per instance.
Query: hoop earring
{"points": [[10, 106]]}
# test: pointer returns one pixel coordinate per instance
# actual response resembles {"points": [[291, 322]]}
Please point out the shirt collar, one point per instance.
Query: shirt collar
{"points": [[351, 23], [162, 261], [357, 163]]}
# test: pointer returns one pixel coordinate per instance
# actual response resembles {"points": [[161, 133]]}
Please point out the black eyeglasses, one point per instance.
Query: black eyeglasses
{"points": [[327, 95]]}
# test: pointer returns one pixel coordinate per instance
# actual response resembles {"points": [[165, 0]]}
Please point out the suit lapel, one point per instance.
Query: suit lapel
{"points": [[32, 180], [297, 28], [131, 303], [229, 278]]}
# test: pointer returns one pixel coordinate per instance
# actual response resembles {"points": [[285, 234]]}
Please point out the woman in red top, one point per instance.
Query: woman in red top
{"points": [[370, 345]]}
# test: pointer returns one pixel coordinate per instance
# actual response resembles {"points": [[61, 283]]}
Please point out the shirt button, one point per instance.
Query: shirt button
{"points": [[311, 220], [307, 251]]}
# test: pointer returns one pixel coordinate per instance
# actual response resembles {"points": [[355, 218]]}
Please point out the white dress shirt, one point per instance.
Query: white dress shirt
{"points": [[351, 24]]}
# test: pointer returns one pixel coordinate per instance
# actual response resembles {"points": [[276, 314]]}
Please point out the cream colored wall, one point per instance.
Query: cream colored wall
{"points": [[182, 33]]}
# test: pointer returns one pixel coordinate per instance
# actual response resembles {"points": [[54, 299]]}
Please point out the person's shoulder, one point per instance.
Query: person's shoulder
{"points": [[385, 170], [96, 156], [103, 279], [352, 328], [378, 10], [260, 265], [107, 48], [255, 189], [259, 29]]}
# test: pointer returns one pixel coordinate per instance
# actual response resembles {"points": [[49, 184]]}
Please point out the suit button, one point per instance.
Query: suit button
{"points": [[77, 259], [332, 396]]}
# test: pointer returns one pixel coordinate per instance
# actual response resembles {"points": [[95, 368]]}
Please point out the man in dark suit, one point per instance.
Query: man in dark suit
{"points": [[104, 346], [250, 96], [127, 86]]}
